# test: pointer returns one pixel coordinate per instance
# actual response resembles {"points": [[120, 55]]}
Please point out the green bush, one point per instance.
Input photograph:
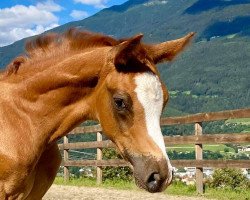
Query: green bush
{"points": [[226, 149], [229, 178], [115, 173]]}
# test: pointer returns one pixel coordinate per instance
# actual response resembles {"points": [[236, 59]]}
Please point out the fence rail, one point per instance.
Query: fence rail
{"points": [[170, 140], [198, 139], [175, 163]]}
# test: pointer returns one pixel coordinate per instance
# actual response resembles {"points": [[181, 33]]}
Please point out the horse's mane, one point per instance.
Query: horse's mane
{"points": [[77, 40], [70, 41]]}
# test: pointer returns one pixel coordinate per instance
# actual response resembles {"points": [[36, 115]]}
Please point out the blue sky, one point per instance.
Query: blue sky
{"points": [[20, 19]]}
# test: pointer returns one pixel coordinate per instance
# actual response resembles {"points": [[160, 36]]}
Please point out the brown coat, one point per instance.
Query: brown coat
{"points": [[64, 80]]}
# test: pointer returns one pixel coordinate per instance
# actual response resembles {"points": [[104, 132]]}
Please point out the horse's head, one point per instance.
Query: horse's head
{"points": [[129, 104]]}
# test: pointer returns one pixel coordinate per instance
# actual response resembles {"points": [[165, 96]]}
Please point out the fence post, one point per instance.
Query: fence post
{"points": [[66, 158], [199, 156], [99, 157]]}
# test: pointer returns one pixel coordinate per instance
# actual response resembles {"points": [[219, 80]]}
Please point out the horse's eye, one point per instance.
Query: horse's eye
{"points": [[119, 104]]}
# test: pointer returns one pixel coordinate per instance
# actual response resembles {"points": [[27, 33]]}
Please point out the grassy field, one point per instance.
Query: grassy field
{"points": [[177, 188], [213, 147], [246, 130], [243, 121], [92, 183]]}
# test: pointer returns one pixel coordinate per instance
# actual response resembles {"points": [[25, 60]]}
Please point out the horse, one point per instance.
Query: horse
{"points": [[62, 80]]}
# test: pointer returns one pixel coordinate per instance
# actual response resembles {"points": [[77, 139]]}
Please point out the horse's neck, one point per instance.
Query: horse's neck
{"points": [[59, 98]]}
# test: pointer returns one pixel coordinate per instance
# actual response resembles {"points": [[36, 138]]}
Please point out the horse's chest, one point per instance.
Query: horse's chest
{"points": [[16, 179]]}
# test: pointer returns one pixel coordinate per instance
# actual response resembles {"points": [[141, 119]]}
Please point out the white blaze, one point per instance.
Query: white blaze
{"points": [[150, 95]]}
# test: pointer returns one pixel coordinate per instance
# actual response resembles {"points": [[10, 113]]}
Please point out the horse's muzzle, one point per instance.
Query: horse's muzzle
{"points": [[151, 174]]}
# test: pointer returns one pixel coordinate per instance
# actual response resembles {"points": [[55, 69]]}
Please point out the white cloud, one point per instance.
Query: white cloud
{"points": [[95, 3], [19, 33], [49, 6], [21, 21], [79, 14]]}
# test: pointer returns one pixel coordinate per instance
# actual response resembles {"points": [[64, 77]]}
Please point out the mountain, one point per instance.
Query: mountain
{"points": [[211, 75]]}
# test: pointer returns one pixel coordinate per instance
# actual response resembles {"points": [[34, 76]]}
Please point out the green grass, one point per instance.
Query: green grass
{"points": [[208, 147], [177, 188], [186, 92], [90, 182], [243, 121], [76, 182], [246, 130], [225, 194], [174, 92]]}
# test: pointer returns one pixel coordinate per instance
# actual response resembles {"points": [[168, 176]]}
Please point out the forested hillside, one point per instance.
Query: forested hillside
{"points": [[212, 74]]}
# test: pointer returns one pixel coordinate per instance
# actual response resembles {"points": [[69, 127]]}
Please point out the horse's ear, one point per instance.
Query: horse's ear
{"points": [[13, 67], [126, 51], [167, 51]]}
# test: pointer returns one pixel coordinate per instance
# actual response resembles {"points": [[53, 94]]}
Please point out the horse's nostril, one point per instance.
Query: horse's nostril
{"points": [[153, 182]]}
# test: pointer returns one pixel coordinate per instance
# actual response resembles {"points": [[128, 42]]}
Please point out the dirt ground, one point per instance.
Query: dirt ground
{"points": [[58, 192]]}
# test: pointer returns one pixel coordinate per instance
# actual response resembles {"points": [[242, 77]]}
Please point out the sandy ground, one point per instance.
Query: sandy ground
{"points": [[58, 192]]}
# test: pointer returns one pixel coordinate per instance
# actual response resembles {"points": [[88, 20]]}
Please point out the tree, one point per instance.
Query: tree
{"points": [[229, 178], [115, 173]]}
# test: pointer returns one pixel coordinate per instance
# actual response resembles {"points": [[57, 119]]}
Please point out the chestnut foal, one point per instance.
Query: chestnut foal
{"points": [[65, 79]]}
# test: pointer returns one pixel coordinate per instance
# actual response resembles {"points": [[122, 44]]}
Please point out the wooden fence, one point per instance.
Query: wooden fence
{"points": [[198, 139]]}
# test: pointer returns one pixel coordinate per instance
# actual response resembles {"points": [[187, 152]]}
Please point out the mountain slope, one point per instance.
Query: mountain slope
{"points": [[212, 74]]}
